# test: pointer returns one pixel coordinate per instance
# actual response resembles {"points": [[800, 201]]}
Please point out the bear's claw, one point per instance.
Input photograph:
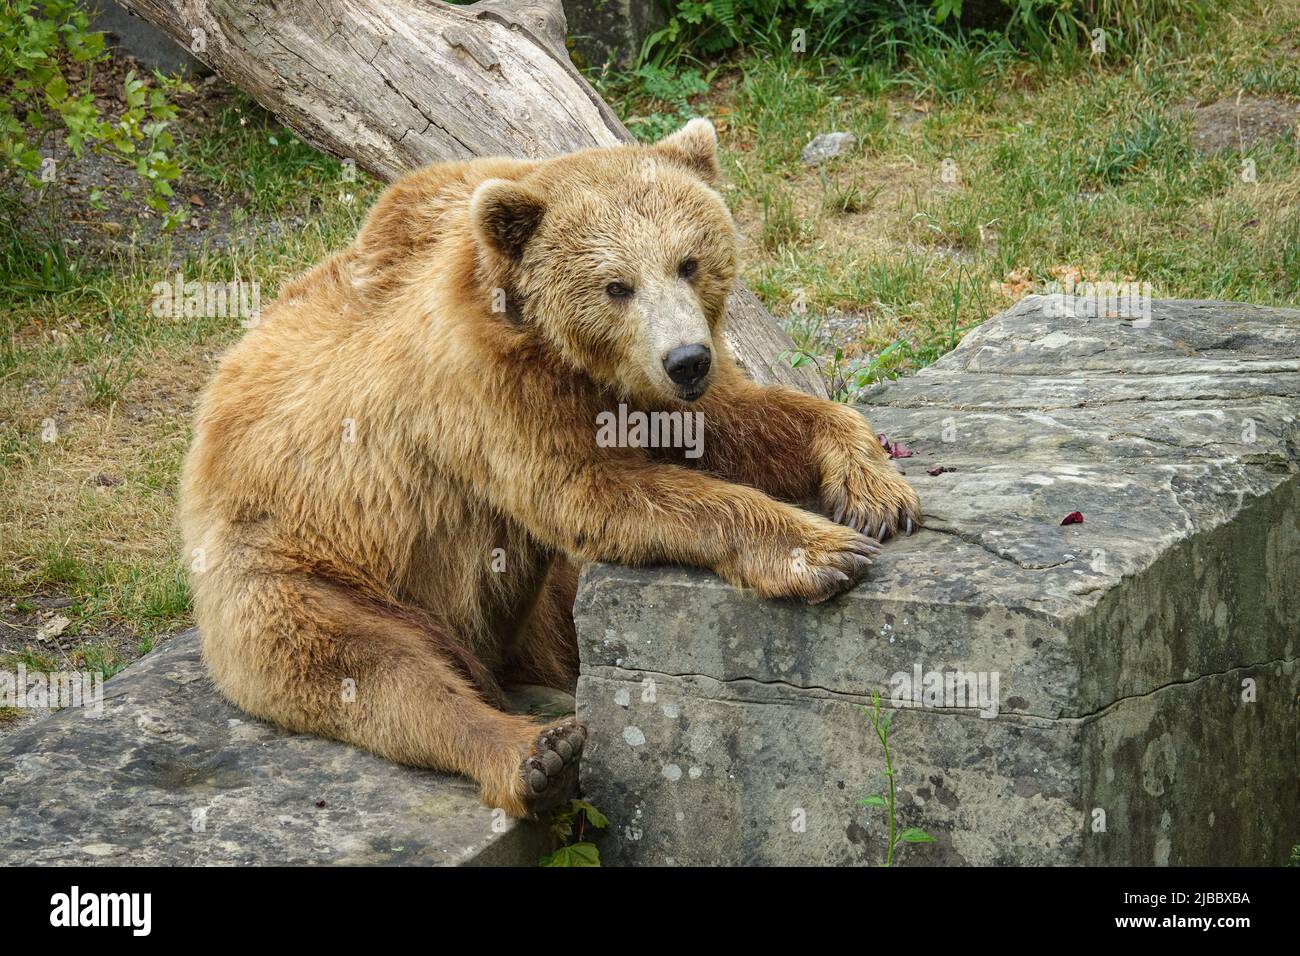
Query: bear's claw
{"points": [[876, 500], [551, 768], [842, 569]]}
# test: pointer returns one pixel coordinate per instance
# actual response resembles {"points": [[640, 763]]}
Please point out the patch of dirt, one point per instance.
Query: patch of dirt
{"points": [[855, 203], [45, 632], [41, 634], [1241, 122], [15, 718]]}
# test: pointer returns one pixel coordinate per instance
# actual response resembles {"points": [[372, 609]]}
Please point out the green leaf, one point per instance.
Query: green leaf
{"points": [[594, 816], [946, 8], [915, 835], [875, 800], [57, 89], [579, 854]]}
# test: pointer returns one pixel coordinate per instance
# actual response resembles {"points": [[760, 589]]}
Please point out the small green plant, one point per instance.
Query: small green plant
{"points": [[880, 722], [33, 660], [569, 826], [1144, 141], [101, 659], [669, 93], [781, 223], [49, 119], [106, 381], [844, 380], [843, 198], [48, 55]]}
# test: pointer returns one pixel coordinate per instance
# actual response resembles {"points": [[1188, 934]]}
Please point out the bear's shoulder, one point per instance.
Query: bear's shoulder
{"points": [[416, 215]]}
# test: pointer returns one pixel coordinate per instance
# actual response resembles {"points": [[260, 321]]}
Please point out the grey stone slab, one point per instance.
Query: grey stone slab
{"points": [[1119, 644], [755, 774], [171, 774], [612, 31]]}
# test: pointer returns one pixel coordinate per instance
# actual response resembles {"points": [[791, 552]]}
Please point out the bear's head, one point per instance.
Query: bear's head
{"points": [[621, 258]]}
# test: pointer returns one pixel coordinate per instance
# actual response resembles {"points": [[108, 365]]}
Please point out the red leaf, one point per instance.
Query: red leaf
{"points": [[1074, 517], [895, 449]]}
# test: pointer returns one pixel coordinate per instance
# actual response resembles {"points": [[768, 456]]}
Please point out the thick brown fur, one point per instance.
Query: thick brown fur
{"points": [[395, 473]]}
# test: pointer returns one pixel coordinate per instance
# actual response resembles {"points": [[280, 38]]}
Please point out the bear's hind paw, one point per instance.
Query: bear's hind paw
{"points": [[550, 771]]}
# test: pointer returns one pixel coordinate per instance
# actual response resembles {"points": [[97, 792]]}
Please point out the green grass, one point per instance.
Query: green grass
{"points": [[245, 153], [98, 657]]}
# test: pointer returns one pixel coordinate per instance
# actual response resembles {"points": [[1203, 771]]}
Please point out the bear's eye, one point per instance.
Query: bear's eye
{"points": [[688, 268], [617, 290]]}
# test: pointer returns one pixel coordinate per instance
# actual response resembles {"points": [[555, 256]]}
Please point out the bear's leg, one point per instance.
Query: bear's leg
{"points": [[322, 659], [546, 650]]}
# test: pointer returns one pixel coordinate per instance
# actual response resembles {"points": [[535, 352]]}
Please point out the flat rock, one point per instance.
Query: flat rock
{"points": [[171, 774]]}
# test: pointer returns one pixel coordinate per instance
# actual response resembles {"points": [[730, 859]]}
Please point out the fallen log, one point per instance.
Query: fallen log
{"points": [[403, 83]]}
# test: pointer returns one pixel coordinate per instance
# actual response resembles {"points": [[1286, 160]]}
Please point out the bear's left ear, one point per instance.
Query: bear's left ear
{"points": [[694, 146], [504, 215]]}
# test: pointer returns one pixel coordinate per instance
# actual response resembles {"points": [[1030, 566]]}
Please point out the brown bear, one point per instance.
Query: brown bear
{"points": [[395, 473]]}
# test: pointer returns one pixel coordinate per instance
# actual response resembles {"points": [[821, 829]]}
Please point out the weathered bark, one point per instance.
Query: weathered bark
{"points": [[398, 84]]}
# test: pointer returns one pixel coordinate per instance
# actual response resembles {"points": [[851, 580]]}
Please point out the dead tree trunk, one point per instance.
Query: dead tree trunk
{"points": [[398, 84]]}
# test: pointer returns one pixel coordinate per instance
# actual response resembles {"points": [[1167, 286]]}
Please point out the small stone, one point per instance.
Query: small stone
{"points": [[101, 849], [52, 628], [826, 146]]}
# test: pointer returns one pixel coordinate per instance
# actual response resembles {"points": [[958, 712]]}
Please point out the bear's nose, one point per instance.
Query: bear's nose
{"points": [[688, 365]]}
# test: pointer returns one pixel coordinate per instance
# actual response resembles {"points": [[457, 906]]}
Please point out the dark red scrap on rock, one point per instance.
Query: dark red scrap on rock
{"points": [[895, 449], [1074, 517]]}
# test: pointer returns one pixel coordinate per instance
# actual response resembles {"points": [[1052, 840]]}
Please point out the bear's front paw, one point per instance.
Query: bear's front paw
{"points": [[868, 495], [825, 560]]}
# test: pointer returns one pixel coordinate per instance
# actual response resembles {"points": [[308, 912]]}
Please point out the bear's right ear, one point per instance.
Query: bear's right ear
{"points": [[504, 215]]}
